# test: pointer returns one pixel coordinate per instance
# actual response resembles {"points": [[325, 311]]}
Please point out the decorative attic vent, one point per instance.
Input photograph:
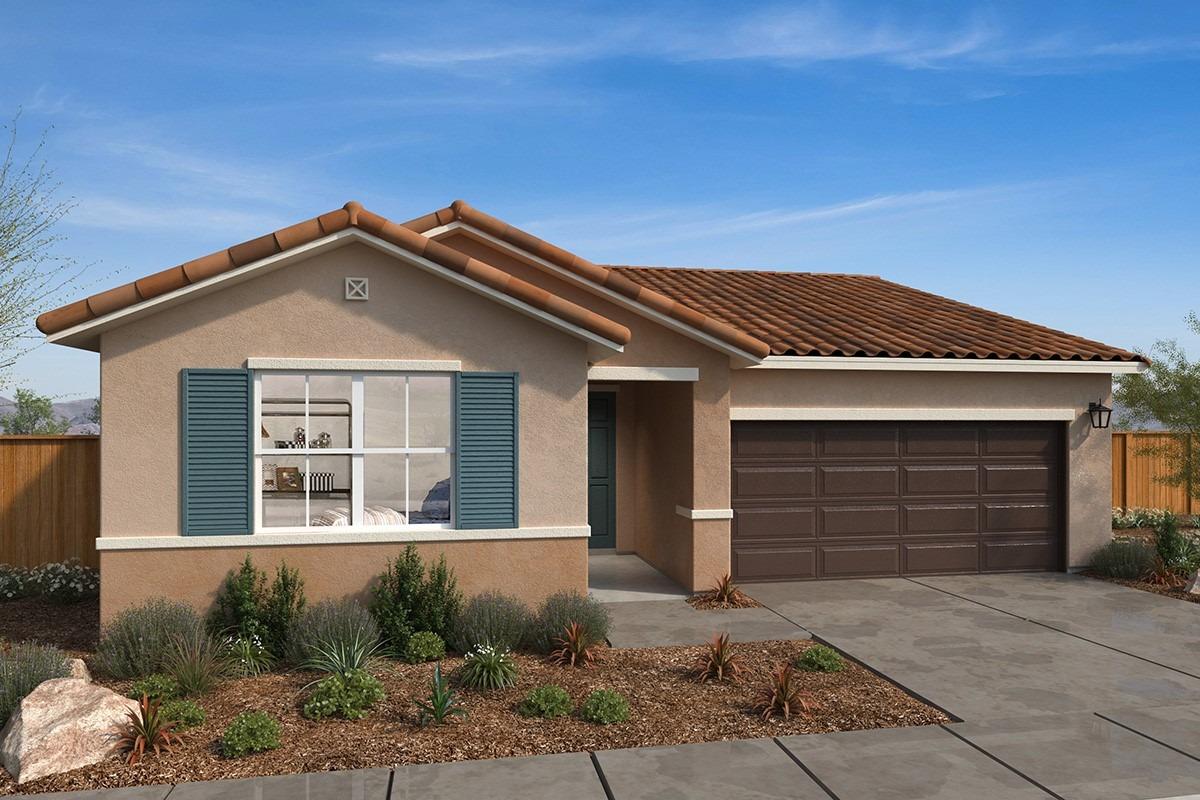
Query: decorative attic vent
{"points": [[356, 289]]}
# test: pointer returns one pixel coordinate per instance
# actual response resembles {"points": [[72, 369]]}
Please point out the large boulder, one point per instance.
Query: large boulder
{"points": [[63, 724], [1193, 584]]}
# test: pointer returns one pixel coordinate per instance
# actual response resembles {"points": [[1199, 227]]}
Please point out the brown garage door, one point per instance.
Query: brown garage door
{"points": [[842, 500]]}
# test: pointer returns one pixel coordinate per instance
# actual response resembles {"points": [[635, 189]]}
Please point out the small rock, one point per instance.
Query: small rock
{"points": [[63, 724], [1193, 584], [78, 669]]}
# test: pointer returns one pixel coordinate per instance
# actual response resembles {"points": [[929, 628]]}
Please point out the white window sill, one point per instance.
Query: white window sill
{"points": [[340, 535]]}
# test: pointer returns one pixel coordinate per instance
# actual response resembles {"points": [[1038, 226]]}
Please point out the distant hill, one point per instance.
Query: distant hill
{"points": [[73, 411]]}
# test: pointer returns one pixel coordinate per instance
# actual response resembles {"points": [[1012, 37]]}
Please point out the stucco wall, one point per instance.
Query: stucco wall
{"points": [[1089, 451], [299, 312], [529, 569]]}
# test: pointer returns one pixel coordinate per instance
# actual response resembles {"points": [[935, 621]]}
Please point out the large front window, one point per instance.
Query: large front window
{"points": [[364, 450]]}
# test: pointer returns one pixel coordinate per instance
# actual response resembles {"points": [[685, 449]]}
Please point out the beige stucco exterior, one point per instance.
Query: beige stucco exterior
{"points": [[673, 438]]}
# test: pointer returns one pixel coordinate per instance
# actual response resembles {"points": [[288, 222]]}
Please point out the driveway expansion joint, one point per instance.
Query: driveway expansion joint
{"points": [[1144, 735], [608, 792], [796, 760], [1003, 763]]}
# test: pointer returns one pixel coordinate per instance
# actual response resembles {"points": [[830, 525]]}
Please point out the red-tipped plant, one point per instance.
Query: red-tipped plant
{"points": [[146, 729], [575, 647], [726, 591], [1162, 575], [783, 696], [718, 662]]}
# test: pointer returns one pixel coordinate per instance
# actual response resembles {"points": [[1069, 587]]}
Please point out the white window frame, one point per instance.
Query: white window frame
{"points": [[357, 451]]}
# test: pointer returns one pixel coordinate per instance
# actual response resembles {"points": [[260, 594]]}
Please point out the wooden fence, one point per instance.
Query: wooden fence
{"points": [[1134, 474], [49, 499]]}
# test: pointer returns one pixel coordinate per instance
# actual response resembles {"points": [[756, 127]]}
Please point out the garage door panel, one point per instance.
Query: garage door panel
{"points": [[1017, 556], [1002, 517], [941, 481], [860, 481], [775, 440], [924, 441], [1006, 440], [783, 563], [860, 441], [775, 523], [838, 521], [939, 558], [845, 500], [1035, 478], [932, 519], [860, 561], [762, 482]]}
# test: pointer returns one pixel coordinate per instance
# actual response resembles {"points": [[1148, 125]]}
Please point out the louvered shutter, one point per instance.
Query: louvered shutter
{"points": [[486, 457], [216, 452]]}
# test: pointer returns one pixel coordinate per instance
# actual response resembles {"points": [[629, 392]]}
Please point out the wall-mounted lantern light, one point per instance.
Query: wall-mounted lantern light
{"points": [[1100, 414]]}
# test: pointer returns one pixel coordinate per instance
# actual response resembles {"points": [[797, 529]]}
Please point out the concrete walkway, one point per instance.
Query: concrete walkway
{"points": [[1068, 688]]}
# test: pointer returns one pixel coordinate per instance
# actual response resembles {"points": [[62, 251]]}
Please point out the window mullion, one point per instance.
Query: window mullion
{"points": [[357, 439]]}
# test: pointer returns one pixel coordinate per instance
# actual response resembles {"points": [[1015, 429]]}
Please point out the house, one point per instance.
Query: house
{"points": [[335, 389]]}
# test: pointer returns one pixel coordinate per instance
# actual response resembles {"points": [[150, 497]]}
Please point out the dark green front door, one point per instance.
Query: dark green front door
{"points": [[602, 469]]}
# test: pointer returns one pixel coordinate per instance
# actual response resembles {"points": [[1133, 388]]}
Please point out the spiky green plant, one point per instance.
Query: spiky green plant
{"points": [[487, 667], [442, 702]]}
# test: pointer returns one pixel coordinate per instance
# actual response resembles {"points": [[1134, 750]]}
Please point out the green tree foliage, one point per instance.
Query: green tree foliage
{"points": [[1168, 392], [34, 415]]}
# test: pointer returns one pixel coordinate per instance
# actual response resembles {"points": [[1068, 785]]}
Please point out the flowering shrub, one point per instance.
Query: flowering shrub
{"points": [[1123, 518], [248, 656], [15, 582], [487, 667], [65, 582]]}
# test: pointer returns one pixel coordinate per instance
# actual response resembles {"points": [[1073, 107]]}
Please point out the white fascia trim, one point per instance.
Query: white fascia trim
{"points": [[704, 513], [644, 374], [905, 414], [617, 298], [947, 364], [80, 335], [355, 364], [347, 537]]}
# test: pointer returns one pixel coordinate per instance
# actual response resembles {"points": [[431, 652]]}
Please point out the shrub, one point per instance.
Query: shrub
{"points": [[718, 662], [783, 696], [405, 600], [575, 647], [492, 618], [65, 582], [546, 702], [157, 687], [487, 667], [820, 658], [560, 610], [1178, 552], [196, 662], [184, 713], [250, 732], [22, 667], [146, 729], [1128, 559], [15, 583], [336, 636], [348, 696], [246, 608], [1139, 517], [247, 656], [424, 646], [726, 591], [138, 640], [441, 704], [604, 707]]}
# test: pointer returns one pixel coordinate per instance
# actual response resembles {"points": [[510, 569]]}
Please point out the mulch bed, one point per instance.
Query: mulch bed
{"points": [[668, 707], [74, 627], [1178, 593], [707, 601]]}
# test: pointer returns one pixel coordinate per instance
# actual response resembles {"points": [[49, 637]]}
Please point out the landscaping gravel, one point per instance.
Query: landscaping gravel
{"points": [[668, 707]]}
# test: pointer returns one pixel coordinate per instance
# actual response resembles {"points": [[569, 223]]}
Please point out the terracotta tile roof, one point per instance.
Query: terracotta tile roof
{"points": [[611, 279], [800, 313], [352, 215]]}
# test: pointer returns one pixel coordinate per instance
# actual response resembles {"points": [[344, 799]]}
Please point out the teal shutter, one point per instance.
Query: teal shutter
{"points": [[216, 452], [485, 454]]}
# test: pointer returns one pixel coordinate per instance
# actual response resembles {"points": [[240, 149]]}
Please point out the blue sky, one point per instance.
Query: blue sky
{"points": [[1040, 159]]}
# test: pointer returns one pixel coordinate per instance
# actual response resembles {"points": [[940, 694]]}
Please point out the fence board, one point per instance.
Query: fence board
{"points": [[1135, 475], [49, 499]]}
